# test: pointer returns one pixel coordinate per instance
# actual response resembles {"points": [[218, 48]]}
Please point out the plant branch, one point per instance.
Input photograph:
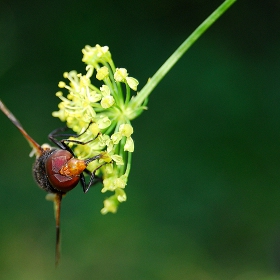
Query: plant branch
{"points": [[162, 71]]}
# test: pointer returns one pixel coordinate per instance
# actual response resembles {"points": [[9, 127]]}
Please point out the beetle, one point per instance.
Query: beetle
{"points": [[57, 170]]}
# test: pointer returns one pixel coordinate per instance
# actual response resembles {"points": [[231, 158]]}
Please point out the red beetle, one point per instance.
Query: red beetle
{"points": [[57, 170]]}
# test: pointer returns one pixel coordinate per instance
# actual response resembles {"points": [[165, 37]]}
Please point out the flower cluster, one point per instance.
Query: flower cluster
{"points": [[108, 111]]}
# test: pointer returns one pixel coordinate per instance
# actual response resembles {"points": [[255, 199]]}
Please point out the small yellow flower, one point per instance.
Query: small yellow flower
{"points": [[102, 73], [103, 122], [120, 182], [126, 130], [108, 184], [61, 84], [105, 90], [117, 159], [110, 205], [94, 129], [132, 83], [95, 55], [106, 157], [93, 96], [129, 145], [116, 137], [120, 75], [103, 140], [121, 196], [107, 100]]}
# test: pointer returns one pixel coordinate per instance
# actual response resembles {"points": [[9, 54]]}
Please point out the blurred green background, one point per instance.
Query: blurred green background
{"points": [[204, 191]]}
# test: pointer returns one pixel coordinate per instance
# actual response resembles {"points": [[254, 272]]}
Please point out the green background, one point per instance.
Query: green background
{"points": [[204, 191]]}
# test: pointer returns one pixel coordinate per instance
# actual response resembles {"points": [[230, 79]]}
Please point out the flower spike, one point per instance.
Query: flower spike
{"points": [[108, 109]]}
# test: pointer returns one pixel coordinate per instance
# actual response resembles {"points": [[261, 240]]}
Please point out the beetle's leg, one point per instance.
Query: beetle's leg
{"points": [[77, 141], [57, 207], [83, 182], [86, 187], [57, 133], [52, 137], [62, 143], [94, 179]]}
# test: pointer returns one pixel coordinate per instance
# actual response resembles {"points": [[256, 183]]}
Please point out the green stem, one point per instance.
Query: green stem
{"points": [[162, 71]]}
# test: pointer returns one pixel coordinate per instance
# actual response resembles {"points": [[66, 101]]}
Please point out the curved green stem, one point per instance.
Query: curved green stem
{"points": [[162, 71]]}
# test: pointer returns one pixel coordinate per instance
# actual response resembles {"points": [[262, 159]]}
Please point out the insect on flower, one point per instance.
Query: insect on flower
{"points": [[57, 170]]}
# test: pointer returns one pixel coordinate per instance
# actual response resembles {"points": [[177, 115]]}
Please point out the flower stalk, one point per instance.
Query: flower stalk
{"points": [[109, 109], [169, 63]]}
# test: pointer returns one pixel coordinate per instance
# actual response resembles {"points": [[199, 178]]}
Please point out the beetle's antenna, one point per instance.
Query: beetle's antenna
{"points": [[13, 119], [57, 207]]}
